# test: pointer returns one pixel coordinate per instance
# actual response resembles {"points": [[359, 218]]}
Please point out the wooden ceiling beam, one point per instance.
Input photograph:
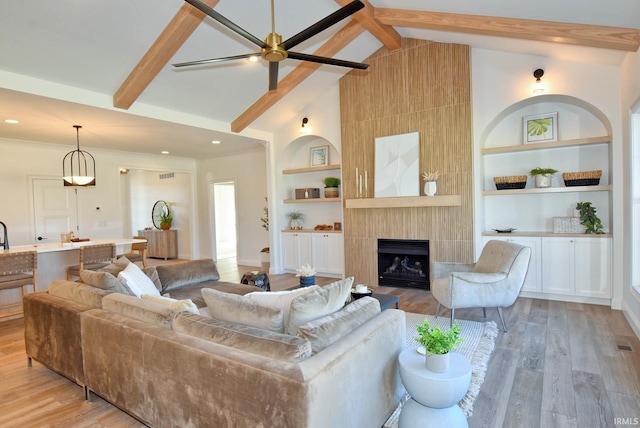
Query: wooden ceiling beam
{"points": [[617, 38], [386, 34], [335, 44], [166, 45]]}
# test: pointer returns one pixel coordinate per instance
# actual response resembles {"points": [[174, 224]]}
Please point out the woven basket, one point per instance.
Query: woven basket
{"points": [[510, 182], [584, 178], [567, 225]]}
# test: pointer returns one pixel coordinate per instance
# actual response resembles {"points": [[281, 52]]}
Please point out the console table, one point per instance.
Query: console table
{"points": [[161, 244]]}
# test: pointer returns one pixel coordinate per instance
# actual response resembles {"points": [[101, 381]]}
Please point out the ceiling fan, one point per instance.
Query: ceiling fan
{"points": [[273, 49]]}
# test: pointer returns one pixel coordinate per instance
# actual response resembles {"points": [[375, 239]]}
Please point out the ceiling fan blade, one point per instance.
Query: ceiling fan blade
{"points": [[214, 60], [224, 21], [325, 60], [323, 24], [273, 76]]}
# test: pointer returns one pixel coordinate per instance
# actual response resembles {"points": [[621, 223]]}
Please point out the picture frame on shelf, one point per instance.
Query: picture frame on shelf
{"points": [[540, 128], [337, 225], [319, 156]]}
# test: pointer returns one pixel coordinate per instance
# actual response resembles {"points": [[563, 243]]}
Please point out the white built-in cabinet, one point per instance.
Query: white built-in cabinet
{"points": [[322, 250], [572, 268]]}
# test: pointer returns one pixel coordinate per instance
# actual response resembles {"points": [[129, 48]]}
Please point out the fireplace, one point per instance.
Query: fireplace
{"points": [[403, 263]]}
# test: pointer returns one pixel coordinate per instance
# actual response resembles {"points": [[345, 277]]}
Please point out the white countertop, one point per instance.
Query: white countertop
{"points": [[58, 246]]}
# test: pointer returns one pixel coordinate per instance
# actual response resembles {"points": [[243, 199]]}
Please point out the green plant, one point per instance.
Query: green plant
{"points": [[166, 216], [436, 341], [331, 182], [264, 220], [295, 215], [589, 219], [542, 171]]}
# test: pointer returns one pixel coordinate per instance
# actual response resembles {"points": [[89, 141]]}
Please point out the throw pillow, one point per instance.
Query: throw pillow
{"points": [[178, 305], [117, 267], [238, 309], [280, 300], [103, 280], [327, 330], [137, 281], [318, 303]]}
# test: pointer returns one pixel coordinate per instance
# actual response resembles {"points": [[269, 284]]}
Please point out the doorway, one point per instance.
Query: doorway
{"points": [[224, 219], [55, 210]]}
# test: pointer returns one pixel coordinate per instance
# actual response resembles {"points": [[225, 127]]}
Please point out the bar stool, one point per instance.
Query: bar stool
{"points": [[93, 257], [138, 252], [17, 270]]}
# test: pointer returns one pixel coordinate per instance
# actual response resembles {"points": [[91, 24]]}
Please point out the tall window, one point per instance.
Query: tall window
{"points": [[635, 195]]}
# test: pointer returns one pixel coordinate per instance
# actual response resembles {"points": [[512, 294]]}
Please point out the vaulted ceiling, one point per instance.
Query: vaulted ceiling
{"points": [[107, 65]]}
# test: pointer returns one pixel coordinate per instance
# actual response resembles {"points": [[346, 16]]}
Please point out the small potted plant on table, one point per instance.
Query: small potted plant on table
{"points": [[543, 176], [295, 219], [438, 344], [307, 275], [331, 187]]}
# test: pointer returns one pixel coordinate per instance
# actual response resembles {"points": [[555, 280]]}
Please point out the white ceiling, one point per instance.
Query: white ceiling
{"points": [[61, 62]]}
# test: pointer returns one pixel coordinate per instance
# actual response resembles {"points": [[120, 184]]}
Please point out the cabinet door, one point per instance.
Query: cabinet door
{"points": [[532, 281], [297, 250], [328, 252], [593, 267], [557, 266]]}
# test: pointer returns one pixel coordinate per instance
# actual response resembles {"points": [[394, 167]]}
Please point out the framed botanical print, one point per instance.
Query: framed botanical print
{"points": [[540, 128], [320, 156]]}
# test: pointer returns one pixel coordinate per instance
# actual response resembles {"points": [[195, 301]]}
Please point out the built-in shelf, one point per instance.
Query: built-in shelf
{"points": [[548, 190], [406, 202], [547, 234], [311, 200], [311, 169], [551, 145]]}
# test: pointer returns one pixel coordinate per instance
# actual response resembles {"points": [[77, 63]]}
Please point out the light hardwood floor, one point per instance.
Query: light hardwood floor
{"points": [[559, 365]]}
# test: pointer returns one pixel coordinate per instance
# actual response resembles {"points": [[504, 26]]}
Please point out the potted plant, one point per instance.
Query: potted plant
{"points": [[543, 176], [165, 218], [307, 275], [331, 187], [589, 219], [430, 178], [438, 344], [295, 219]]}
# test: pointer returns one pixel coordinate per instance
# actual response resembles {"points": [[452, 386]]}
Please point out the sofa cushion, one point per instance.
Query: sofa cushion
{"points": [[250, 339], [139, 309], [104, 281], [179, 305], [78, 292], [280, 300], [137, 281], [117, 267], [175, 275], [318, 303], [194, 291], [323, 332], [152, 273], [238, 309]]}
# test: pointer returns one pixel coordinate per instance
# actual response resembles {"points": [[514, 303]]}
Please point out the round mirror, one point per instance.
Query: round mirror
{"points": [[159, 208]]}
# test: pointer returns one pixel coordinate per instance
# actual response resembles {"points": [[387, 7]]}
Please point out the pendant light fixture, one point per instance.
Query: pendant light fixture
{"points": [[78, 166]]}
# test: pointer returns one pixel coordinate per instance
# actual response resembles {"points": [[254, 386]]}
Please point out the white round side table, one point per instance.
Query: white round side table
{"points": [[434, 396]]}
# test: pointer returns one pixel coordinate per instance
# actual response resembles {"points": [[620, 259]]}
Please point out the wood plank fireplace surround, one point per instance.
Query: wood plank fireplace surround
{"points": [[424, 87]]}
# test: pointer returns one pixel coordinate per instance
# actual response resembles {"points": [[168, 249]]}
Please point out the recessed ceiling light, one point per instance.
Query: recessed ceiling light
{"points": [[12, 121], [215, 142], [164, 152]]}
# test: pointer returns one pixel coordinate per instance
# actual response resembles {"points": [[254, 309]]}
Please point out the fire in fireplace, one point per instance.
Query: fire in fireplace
{"points": [[403, 263]]}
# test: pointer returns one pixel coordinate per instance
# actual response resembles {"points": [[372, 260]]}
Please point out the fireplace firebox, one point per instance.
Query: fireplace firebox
{"points": [[403, 263]]}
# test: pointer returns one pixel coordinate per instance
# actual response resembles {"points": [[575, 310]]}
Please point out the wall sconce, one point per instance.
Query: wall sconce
{"points": [[305, 129], [538, 89], [78, 166]]}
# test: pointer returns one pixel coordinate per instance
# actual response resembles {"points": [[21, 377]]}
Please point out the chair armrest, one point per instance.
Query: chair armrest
{"points": [[442, 270], [479, 278]]}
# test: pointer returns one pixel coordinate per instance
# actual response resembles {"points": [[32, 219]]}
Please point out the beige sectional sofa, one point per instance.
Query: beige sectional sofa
{"points": [[175, 368]]}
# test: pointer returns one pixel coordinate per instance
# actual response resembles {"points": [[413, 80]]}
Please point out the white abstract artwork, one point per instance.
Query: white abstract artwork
{"points": [[396, 172]]}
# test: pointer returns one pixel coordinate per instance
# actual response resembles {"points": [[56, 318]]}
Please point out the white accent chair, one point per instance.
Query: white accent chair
{"points": [[494, 280]]}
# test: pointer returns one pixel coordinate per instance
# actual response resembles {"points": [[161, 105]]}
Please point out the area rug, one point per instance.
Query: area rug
{"points": [[479, 341]]}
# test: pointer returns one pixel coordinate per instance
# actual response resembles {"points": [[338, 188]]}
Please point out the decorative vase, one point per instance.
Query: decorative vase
{"points": [[265, 261], [331, 192], [295, 224], [430, 188], [543, 180], [307, 281], [165, 226], [438, 363]]}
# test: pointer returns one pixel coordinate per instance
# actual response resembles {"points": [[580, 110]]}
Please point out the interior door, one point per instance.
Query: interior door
{"points": [[54, 209]]}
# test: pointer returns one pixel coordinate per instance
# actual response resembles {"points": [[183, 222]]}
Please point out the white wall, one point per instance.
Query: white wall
{"points": [[248, 169], [20, 161], [501, 79], [630, 90]]}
